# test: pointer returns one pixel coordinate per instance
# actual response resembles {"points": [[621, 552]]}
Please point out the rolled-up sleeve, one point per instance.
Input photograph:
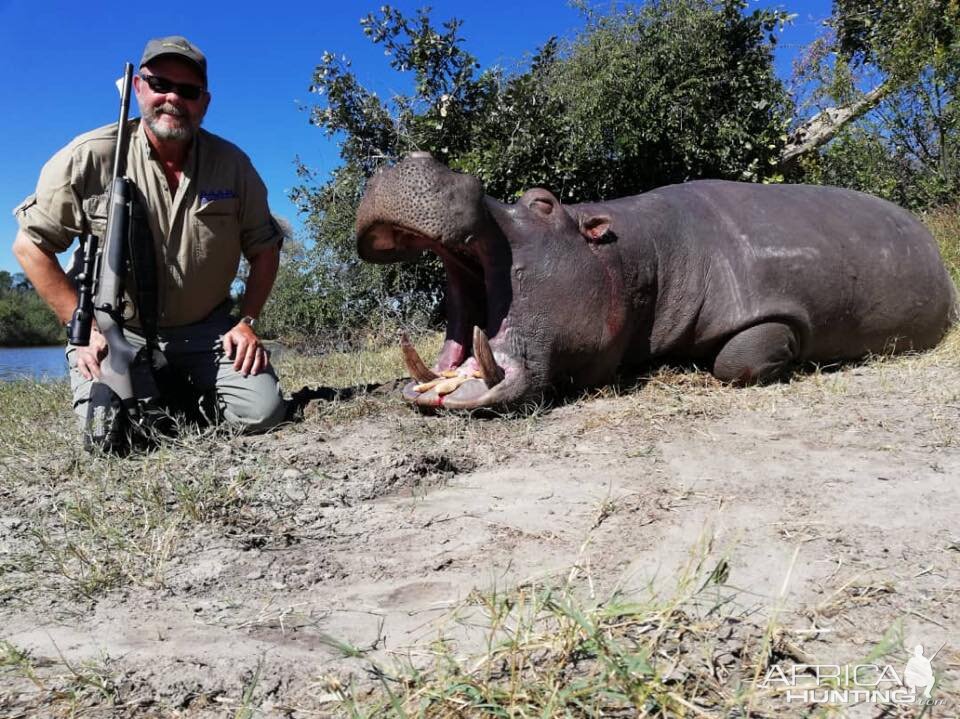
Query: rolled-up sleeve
{"points": [[53, 215], [258, 230]]}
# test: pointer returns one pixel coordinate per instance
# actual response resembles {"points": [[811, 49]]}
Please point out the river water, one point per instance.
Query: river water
{"points": [[39, 363]]}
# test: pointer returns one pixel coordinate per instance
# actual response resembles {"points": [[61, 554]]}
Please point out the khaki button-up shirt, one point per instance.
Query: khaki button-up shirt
{"points": [[218, 212]]}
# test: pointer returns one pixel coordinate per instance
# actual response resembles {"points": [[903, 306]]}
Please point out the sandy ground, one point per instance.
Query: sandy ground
{"points": [[843, 485]]}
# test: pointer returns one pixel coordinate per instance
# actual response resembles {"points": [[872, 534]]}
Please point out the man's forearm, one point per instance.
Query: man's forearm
{"points": [[47, 277], [263, 272]]}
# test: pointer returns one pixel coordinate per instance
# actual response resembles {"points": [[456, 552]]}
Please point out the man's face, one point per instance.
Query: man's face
{"points": [[169, 115]]}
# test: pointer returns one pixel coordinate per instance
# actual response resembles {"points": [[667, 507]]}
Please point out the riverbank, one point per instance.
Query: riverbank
{"points": [[671, 541]]}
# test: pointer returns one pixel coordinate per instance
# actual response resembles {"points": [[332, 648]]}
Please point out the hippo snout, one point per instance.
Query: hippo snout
{"points": [[413, 204]]}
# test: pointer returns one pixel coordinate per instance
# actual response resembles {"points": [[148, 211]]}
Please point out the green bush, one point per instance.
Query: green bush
{"points": [[25, 319]]}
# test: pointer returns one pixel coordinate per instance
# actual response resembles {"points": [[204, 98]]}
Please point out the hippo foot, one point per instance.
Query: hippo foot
{"points": [[756, 355]]}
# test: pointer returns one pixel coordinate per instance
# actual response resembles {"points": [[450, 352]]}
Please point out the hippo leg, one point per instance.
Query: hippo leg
{"points": [[757, 354]]}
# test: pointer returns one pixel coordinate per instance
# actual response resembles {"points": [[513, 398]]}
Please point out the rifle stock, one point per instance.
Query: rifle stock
{"points": [[110, 300]]}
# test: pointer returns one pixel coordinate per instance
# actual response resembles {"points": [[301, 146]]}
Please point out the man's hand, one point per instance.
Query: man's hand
{"points": [[89, 357], [241, 343], [249, 355]]}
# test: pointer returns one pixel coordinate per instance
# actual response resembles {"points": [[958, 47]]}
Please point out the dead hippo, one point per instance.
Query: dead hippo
{"points": [[745, 279]]}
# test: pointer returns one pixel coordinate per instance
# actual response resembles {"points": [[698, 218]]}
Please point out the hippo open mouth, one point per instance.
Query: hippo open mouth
{"points": [[420, 206]]}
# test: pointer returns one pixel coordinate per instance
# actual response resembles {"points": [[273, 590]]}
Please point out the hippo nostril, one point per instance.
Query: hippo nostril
{"points": [[420, 155]]}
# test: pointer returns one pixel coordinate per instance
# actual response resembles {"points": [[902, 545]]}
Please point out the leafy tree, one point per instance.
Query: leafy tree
{"points": [[859, 159], [896, 65], [667, 92], [900, 39], [921, 123], [643, 97]]}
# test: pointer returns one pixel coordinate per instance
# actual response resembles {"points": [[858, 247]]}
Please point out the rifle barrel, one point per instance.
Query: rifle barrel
{"points": [[120, 156]]}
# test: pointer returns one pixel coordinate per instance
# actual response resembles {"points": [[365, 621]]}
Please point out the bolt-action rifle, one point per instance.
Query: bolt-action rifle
{"points": [[117, 406]]}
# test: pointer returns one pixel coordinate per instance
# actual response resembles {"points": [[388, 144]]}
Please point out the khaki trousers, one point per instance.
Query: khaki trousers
{"points": [[202, 377]]}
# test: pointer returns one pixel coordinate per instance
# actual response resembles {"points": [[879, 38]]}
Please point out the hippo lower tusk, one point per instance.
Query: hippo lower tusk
{"points": [[492, 372], [418, 370]]}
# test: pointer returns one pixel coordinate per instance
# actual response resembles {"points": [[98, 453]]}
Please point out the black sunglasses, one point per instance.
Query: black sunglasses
{"points": [[162, 85]]}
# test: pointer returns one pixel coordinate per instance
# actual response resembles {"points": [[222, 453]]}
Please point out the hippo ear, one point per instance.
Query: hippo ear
{"points": [[596, 229]]}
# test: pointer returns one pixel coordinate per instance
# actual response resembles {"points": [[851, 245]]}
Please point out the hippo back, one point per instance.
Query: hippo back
{"points": [[853, 274]]}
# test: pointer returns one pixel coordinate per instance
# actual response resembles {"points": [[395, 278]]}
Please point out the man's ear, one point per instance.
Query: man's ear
{"points": [[596, 229]]}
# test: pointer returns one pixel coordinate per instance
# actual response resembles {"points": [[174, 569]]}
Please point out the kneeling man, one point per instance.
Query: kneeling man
{"points": [[205, 205]]}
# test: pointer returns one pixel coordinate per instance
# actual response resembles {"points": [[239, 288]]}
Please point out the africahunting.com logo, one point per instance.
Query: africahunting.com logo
{"points": [[857, 683]]}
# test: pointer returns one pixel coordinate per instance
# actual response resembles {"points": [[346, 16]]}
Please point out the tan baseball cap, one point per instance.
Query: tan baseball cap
{"points": [[175, 45]]}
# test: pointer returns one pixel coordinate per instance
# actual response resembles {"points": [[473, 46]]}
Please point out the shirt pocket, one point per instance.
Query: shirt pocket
{"points": [[217, 229], [96, 208]]}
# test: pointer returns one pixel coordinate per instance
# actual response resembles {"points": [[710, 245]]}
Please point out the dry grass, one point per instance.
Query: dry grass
{"points": [[66, 689], [376, 362], [86, 524], [944, 223], [552, 651]]}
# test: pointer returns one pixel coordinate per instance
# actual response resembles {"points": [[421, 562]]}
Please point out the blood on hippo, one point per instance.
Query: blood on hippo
{"points": [[749, 279]]}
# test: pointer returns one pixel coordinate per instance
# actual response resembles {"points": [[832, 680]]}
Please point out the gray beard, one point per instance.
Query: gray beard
{"points": [[183, 132]]}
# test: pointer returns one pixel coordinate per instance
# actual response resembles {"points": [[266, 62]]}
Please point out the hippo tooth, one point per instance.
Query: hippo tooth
{"points": [[418, 370], [492, 373], [423, 387], [449, 385]]}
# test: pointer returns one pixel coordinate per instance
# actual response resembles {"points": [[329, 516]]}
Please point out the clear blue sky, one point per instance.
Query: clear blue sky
{"points": [[59, 60]]}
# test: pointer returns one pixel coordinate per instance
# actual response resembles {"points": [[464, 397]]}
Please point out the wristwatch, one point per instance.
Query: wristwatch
{"points": [[248, 320]]}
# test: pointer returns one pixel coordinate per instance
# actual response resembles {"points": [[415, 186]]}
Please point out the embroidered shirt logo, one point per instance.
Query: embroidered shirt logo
{"points": [[212, 195]]}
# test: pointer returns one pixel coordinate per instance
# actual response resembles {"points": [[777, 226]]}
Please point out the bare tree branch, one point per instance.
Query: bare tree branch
{"points": [[824, 126]]}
